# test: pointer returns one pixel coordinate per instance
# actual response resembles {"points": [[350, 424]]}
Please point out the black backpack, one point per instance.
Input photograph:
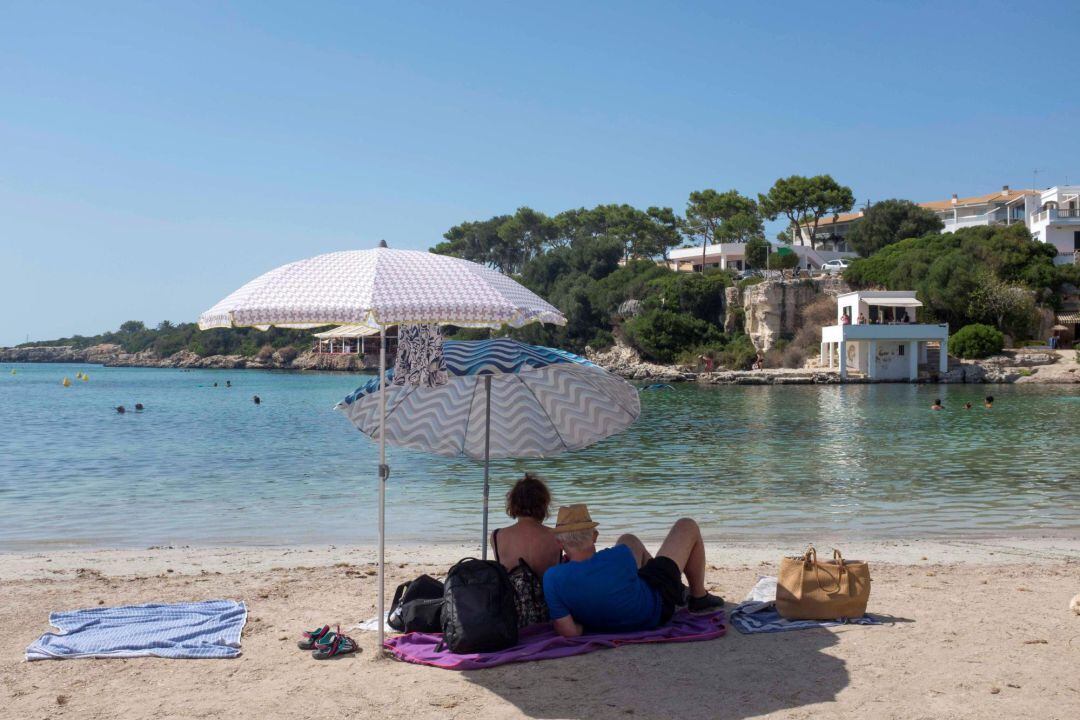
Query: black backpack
{"points": [[417, 606], [478, 608]]}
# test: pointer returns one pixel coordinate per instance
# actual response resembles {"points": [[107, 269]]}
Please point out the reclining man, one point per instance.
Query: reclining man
{"points": [[623, 588]]}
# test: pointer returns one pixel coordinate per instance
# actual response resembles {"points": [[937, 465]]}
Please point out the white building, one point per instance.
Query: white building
{"points": [[1004, 207], [877, 336], [1056, 220], [732, 256], [831, 233]]}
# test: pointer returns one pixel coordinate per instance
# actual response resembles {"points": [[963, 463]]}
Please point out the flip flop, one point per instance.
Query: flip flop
{"points": [[332, 645], [311, 636]]}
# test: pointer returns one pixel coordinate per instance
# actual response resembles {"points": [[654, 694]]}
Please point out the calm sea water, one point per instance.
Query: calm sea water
{"points": [[204, 465]]}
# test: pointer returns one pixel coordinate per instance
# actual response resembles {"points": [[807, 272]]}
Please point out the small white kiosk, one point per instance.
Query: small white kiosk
{"points": [[876, 334]]}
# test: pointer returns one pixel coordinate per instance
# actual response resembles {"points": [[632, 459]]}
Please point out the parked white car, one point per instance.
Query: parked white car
{"points": [[835, 266]]}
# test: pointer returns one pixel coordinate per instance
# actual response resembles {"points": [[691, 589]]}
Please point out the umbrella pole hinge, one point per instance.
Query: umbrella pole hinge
{"points": [[384, 472]]}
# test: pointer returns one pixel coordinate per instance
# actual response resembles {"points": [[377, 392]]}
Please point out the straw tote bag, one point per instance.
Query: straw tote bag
{"points": [[808, 589]]}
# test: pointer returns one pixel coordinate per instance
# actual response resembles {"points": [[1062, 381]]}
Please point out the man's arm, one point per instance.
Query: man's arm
{"points": [[567, 627]]}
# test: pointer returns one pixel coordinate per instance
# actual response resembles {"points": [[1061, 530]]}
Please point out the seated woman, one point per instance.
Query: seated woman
{"points": [[527, 548]]}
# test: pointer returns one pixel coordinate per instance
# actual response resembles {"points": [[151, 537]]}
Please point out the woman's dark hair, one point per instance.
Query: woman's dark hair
{"points": [[529, 497], [937, 401], [989, 398]]}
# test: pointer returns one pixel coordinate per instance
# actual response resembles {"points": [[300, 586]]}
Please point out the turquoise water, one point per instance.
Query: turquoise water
{"points": [[205, 466]]}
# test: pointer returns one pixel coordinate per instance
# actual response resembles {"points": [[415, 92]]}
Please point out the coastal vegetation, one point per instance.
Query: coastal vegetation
{"points": [[976, 341], [994, 275], [890, 221], [168, 338], [604, 268]]}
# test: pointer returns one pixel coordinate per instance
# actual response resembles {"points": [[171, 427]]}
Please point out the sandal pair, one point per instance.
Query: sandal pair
{"points": [[325, 643]]}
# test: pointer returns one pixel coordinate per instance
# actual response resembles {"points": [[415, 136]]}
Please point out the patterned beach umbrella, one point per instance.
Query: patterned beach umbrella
{"points": [[500, 398], [379, 288]]}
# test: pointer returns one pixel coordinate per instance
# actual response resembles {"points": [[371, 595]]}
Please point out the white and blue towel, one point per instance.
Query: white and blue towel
{"points": [[208, 629], [758, 614]]}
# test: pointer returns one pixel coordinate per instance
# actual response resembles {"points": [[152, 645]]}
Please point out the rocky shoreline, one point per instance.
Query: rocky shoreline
{"points": [[1012, 366], [114, 356]]}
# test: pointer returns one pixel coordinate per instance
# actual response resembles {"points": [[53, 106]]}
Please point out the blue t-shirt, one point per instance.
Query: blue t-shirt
{"points": [[603, 593]]}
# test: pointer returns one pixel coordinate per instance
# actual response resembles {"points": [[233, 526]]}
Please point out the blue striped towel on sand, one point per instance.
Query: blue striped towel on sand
{"points": [[757, 613], [768, 620], [208, 629]]}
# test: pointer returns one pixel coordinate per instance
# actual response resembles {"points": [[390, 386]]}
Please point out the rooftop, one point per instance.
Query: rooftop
{"points": [[1005, 195]]}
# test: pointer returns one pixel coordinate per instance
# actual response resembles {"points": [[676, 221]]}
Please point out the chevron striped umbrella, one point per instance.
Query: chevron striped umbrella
{"points": [[502, 399], [378, 288]]}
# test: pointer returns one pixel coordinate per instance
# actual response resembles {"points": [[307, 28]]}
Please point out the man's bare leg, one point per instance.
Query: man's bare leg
{"points": [[636, 547], [684, 546]]}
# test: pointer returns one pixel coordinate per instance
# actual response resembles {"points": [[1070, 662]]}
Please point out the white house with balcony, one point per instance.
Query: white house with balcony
{"points": [[1005, 207], [1056, 220], [876, 335], [732, 256]]}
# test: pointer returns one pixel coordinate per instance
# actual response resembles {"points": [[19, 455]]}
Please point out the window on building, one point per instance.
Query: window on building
{"points": [[1076, 239], [901, 349]]}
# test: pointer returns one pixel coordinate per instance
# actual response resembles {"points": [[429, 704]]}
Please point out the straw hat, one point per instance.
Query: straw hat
{"points": [[574, 517]]}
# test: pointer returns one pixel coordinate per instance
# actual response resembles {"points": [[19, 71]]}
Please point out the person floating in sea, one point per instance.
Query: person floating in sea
{"points": [[138, 407], [257, 400], [215, 384], [967, 406], [937, 405], [228, 383], [989, 403], [121, 409]]}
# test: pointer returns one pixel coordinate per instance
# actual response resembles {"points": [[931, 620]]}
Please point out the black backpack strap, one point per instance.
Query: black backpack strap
{"points": [[495, 544]]}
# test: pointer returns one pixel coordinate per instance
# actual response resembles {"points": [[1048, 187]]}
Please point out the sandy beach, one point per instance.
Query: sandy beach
{"points": [[981, 629]]}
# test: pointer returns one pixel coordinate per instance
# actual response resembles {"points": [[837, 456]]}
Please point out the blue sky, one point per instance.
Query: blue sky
{"points": [[155, 156]]}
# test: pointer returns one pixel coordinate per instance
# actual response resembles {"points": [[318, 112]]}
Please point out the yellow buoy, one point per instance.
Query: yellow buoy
{"points": [[85, 377], [67, 382]]}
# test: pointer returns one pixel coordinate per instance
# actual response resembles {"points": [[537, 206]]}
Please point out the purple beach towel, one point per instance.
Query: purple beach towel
{"points": [[541, 642]]}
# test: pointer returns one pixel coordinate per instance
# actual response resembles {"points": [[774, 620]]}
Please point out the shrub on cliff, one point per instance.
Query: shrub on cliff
{"points": [[976, 341], [660, 335], [739, 353], [700, 295], [287, 354]]}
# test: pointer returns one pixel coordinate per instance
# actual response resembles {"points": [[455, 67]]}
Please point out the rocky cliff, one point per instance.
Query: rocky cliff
{"points": [[772, 308]]}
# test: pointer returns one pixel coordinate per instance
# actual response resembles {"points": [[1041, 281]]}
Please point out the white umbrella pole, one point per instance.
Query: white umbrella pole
{"points": [[487, 462], [384, 471]]}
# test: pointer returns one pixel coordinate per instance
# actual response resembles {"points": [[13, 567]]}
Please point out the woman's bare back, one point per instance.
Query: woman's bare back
{"points": [[529, 540]]}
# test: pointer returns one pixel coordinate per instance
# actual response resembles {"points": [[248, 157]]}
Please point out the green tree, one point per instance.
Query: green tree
{"points": [[715, 217], [133, 326], [660, 335], [757, 253], [976, 341], [805, 200], [642, 233], [890, 221]]}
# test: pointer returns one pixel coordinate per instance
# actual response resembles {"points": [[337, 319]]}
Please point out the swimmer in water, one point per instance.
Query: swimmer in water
{"points": [[257, 400], [138, 406], [228, 383], [121, 409], [989, 403], [937, 405], [967, 406]]}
